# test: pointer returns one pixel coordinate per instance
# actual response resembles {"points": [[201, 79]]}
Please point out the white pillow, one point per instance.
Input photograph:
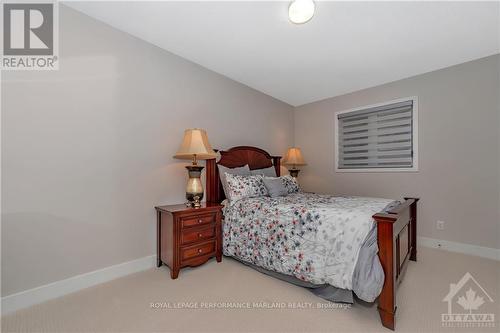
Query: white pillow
{"points": [[268, 172]]}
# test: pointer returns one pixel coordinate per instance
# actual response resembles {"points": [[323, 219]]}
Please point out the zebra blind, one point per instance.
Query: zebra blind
{"points": [[378, 137]]}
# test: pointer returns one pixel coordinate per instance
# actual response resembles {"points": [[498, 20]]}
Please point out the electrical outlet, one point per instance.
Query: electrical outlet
{"points": [[440, 225]]}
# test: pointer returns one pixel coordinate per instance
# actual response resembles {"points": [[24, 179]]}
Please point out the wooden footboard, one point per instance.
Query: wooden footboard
{"points": [[397, 242]]}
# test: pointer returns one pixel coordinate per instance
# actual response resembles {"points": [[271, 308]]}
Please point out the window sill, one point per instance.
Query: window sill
{"points": [[376, 170]]}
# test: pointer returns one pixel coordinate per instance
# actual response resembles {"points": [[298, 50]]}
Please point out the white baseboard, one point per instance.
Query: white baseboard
{"points": [[474, 250], [52, 290]]}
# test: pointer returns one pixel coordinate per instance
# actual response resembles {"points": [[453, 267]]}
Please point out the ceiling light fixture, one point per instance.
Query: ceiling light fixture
{"points": [[301, 11]]}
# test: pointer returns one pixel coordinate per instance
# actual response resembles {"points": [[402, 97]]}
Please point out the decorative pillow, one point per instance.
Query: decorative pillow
{"points": [[275, 186], [291, 184], [268, 172], [239, 187], [243, 171]]}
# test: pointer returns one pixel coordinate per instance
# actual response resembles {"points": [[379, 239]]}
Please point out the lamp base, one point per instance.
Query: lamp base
{"points": [[294, 172], [194, 188], [194, 202]]}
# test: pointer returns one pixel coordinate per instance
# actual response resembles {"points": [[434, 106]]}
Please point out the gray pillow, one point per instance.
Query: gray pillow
{"points": [[275, 187], [241, 171], [267, 172]]}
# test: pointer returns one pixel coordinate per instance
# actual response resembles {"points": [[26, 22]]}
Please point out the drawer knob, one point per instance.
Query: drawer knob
{"points": [[200, 250], [200, 235], [200, 221]]}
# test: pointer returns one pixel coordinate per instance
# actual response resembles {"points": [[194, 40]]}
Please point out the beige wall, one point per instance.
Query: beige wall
{"points": [[87, 150], [458, 181]]}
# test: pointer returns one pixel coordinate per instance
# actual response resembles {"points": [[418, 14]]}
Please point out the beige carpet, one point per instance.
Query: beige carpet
{"points": [[125, 304]]}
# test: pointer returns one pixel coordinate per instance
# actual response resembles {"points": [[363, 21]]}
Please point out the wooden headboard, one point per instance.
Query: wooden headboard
{"points": [[235, 157]]}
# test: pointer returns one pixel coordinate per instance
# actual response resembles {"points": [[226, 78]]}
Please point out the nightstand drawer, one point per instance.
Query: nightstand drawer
{"points": [[192, 221], [197, 250], [196, 234]]}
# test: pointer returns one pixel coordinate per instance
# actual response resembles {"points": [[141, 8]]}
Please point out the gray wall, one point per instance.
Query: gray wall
{"points": [[458, 180], [87, 150]]}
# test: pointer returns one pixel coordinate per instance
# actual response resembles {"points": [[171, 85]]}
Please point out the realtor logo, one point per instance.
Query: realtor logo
{"points": [[29, 35], [467, 301]]}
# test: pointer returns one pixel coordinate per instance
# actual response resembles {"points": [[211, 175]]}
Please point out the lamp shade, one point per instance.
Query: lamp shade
{"points": [[294, 157], [195, 143]]}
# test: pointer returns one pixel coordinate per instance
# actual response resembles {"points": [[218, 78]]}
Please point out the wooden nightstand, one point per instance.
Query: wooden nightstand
{"points": [[188, 236]]}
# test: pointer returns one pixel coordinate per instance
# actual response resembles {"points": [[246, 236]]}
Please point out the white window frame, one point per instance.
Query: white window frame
{"points": [[414, 168]]}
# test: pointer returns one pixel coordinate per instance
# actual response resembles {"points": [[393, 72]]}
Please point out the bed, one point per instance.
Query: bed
{"points": [[319, 239]]}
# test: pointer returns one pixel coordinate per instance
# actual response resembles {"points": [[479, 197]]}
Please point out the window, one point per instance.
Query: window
{"points": [[378, 138]]}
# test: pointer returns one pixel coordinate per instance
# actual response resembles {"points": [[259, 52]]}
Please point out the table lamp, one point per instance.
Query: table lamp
{"points": [[294, 158], [195, 146]]}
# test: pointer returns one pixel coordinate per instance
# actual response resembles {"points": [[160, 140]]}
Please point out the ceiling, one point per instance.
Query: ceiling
{"points": [[347, 46]]}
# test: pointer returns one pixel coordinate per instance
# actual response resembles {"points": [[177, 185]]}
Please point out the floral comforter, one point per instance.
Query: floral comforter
{"points": [[316, 238]]}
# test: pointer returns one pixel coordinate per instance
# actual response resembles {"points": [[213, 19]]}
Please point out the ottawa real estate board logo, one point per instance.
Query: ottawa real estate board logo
{"points": [[30, 35], [469, 305]]}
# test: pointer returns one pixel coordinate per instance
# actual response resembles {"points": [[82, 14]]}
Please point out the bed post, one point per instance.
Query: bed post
{"points": [[413, 229], [212, 181], [387, 249], [277, 165]]}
